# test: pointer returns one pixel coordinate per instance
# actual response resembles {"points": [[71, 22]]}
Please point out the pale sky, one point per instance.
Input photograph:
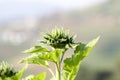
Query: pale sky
{"points": [[18, 8]]}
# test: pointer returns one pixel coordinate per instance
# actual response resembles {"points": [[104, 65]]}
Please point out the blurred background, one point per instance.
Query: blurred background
{"points": [[22, 21]]}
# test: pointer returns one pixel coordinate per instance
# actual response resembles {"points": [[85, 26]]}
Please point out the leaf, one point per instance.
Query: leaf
{"points": [[8, 78], [41, 76], [65, 75], [43, 58], [28, 77], [82, 50], [53, 78], [72, 63], [52, 56], [35, 59], [19, 74], [36, 49]]}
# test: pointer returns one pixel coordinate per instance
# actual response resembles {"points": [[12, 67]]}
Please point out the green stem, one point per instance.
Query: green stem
{"points": [[62, 56], [59, 65], [58, 71], [61, 59], [51, 72]]}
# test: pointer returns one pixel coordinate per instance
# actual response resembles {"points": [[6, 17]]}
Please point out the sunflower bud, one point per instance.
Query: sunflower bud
{"points": [[58, 38], [6, 70]]}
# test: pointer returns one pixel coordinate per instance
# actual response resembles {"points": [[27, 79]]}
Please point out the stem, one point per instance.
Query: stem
{"points": [[59, 65], [58, 71], [51, 72], [62, 56]]}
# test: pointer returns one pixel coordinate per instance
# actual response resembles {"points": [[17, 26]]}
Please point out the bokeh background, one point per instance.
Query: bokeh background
{"points": [[22, 21]]}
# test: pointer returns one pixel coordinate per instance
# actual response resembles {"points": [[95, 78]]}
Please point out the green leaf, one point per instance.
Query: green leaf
{"points": [[84, 49], [35, 59], [19, 74], [53, 78], [41, 76], [28, 77], [72, 63], [65, 75], [8, 78], [43, 58], [52, 56], [36, 49]]}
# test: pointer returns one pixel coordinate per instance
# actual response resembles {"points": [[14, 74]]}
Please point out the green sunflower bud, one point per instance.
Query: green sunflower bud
{"points": [[58, 38], [6, 70]]}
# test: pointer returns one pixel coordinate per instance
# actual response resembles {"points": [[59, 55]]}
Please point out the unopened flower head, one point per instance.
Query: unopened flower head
{"points": [[6, 70], [58, 38]]}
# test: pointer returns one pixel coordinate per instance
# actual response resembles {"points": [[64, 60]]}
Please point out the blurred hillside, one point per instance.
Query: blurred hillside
{"points": [[103, 19]]}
